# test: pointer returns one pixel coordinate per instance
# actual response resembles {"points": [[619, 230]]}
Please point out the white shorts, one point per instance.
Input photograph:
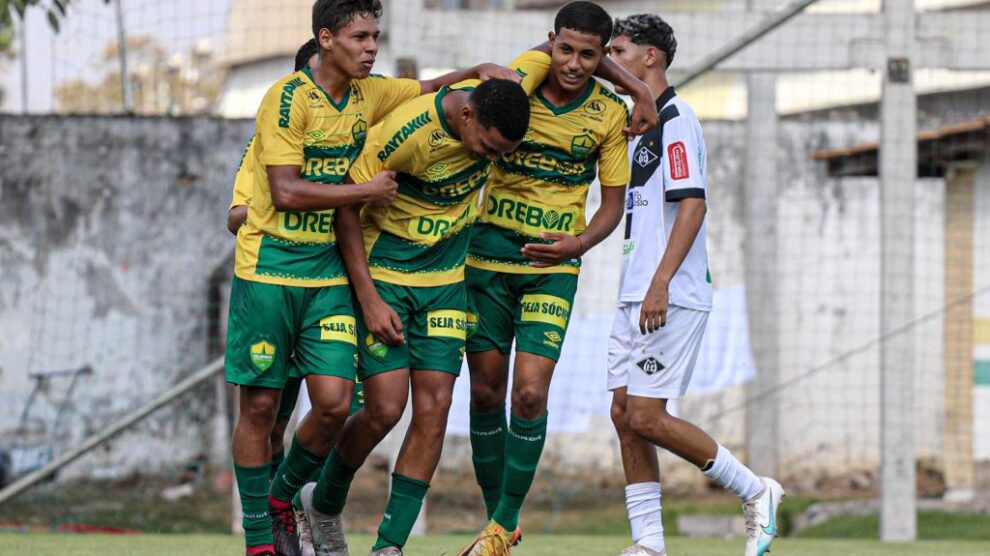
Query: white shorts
{"points": [[657, 365]]}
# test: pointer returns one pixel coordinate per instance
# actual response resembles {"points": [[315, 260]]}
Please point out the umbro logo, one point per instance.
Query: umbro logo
{"points": [[645, 157], [650, 365]]}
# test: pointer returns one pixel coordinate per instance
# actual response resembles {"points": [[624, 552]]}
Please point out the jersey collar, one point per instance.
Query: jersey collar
{"points": [[558, 110], [667, 95], [337, 106], [441, 115]]}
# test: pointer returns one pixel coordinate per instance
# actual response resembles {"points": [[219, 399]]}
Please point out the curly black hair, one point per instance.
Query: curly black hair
{"points": [[648, 29], [585, 17], [501, 104], [306, 52], [336, 14]]}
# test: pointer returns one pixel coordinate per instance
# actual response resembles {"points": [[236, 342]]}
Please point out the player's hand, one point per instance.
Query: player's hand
{"points": [[564, 248], [495, 71], [382, 188], [644, 116], [383, 322], [653, 313]]}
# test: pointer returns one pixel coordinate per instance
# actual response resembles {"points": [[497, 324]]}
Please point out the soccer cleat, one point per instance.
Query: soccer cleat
{"points": [[493, 541], [326, 531], [387, 551], [637, 550], [284, 530], [260, 551], [761, 517], [305, 534]]}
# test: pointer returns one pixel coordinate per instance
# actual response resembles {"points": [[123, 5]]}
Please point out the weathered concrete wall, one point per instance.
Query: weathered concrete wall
{"points": [[109, 229]]}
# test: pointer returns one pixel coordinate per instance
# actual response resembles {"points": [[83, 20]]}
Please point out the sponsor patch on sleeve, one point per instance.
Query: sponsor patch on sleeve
{"points": [[678, 157]]}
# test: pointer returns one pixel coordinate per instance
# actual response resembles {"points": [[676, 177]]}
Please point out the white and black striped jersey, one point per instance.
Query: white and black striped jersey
{"points": [[670, 163]]}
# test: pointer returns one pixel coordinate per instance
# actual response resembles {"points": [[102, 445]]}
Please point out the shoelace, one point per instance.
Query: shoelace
{"points": [[305, 535], [498, 539], [749, 510], [334, 533]]}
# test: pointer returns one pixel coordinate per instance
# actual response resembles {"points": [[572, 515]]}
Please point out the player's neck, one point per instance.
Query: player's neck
{"points": [[331, 79], [557, 95], [657, 82], [453, 102]]}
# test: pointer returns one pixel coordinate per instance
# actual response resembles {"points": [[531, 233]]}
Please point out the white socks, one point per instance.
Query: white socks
{"points": [[643, 505], [733, 475]]}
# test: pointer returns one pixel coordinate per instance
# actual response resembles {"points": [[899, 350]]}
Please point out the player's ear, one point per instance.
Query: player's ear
{"points": [[325, 39], [652, 57], [467, 113], [550, 38]]}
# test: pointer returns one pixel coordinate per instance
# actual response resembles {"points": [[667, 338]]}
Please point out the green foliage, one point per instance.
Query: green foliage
{"points": [[55, 9]]}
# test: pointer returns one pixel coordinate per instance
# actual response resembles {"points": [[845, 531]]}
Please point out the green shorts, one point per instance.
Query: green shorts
{"points": [[532, 308], [269, 323], [290, 396], [434, 325]]}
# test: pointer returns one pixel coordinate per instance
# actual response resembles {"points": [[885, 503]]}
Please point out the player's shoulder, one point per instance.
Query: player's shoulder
{"points": [[287, 87], [678, 111], [608, 99]]}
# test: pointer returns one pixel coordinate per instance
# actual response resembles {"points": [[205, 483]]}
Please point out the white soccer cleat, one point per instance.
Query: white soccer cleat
{"points": [[761, 517], [637, 550], [305, 535], [326, 531]]}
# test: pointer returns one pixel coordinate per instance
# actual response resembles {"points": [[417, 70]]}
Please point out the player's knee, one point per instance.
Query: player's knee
{"points": [[385, 414], [278, 434], [485, 398], [260, 411], [620, 419], [435, 404], [332, 413], [529, 402], [651, 425]]}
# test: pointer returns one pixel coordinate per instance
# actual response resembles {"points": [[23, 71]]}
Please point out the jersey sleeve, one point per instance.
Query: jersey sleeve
{"points": [[387, 93], [243, 179], [534, 67], [682, 161], [613, 161], [281, 127]]}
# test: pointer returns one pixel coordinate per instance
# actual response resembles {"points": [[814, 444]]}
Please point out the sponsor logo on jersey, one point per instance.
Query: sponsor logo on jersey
{"points": [[650, 365], [594, 107], [438, 170], [436, 138], [628, 247], [678, 156], [314, 137], [435, 227], [534, 218], [285, 101], [635, 199], [645, 157], [537, 161], [458, 188], [341, 328], [375, 347], [446, 323], [552, 339], [314, 99], [334, 166], [583, 144], [404, 133], [548, 309], [262, 355], [307, 222], [359, 131]]}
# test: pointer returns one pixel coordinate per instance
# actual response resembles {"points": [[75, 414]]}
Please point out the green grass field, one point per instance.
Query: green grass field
{"points": [[43, 544]]}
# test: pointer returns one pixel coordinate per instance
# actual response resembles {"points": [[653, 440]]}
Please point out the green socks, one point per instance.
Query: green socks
{"points": [[298, 466], [404, 504], [334, 484], [488, 454], [277, 459], [252, 485], [522, 453]]}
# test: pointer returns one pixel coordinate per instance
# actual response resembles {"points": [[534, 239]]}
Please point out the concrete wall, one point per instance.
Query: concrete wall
{"points": [[110, 229]]}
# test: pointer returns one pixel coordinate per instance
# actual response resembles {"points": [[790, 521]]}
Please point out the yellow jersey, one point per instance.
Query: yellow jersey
{"points": [[244, 179], [299, 124], [421, 239], [543, 185]]}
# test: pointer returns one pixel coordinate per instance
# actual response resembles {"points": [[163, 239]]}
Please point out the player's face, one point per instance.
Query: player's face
{"points": [[483, 143], [575, 58], [629, 55], [353, 48]]}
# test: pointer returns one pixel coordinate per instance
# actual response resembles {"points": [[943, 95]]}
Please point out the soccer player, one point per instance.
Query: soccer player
{"points": [[524, 258], [408, 276], [290, 295], [665, 294]]}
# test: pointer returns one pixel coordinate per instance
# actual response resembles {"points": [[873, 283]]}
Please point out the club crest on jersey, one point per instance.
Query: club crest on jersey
{"points": [[582, 145], [595, 107], [678, 156], [645, 157], [359, 131], [650, 365], [262, 355]]}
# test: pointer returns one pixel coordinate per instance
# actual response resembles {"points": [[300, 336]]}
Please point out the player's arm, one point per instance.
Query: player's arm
{"points": [[644, 113], [566, 247], [293, 193], [382, 321], [682, 183], [236, 217], [483, 72]]}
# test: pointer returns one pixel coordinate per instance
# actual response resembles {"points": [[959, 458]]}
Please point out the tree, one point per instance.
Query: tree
{"points": [[161, 83], [6, 51], [56, 10]]}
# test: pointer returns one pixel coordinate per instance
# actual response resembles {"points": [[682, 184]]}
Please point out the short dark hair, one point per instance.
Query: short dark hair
{"points": [[306, 52], [502, 104], [337, 14], [584, 17], [648, 29]]}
